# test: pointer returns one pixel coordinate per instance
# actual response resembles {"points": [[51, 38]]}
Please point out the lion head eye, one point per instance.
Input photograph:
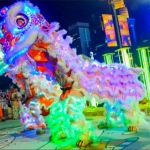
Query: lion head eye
{"points": [[21, 20]]}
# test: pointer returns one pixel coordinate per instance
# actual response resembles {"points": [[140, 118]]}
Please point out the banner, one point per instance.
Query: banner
{"points": [[109, 30], [124, 12], [118, 3], [124, 30]]}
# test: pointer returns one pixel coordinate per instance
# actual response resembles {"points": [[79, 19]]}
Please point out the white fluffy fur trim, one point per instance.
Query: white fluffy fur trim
{"points": [[30, 38]]}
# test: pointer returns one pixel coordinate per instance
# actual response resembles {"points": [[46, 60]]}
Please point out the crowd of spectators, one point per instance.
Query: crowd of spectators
{"points": [[10, 100]]}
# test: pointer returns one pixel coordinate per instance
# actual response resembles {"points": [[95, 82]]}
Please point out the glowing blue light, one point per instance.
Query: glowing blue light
{"points": [[9, 61], [1, 34], [28, 8]]}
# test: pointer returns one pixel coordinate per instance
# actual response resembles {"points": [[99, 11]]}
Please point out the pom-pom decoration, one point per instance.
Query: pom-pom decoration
{"points": [[3, 11]]}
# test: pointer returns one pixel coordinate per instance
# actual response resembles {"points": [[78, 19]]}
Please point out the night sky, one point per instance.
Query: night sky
{"points": [[68, 12]]}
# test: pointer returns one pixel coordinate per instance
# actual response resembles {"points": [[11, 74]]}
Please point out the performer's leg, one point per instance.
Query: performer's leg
{"points": [[26, 118], [84, 131], [40, 121], [134, 118]]}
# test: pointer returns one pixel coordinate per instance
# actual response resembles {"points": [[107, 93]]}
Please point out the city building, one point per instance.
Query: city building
{"points": [[98, 42], [131, 24], [81, 37]]}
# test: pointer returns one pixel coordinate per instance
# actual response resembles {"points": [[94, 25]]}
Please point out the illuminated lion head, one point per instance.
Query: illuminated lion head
{"points": [[20, 21]]}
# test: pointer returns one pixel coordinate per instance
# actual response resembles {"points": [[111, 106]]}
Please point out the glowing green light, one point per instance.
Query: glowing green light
{"points": [[108, 58], [3, 67], [143, 56], [66, 119], [125, 56], [131, 59]]}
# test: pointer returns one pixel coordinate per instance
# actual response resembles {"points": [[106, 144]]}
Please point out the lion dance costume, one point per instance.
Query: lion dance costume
{"points": [[40, 60]]}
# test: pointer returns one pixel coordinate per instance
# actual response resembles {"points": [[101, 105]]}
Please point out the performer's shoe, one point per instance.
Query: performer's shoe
{"points": [[132, 129], [102, 126], [82, 143], [40, 131], [62, 136]]}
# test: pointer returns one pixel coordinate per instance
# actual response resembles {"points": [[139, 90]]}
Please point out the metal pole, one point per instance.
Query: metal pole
{"points": [[116, 23]]}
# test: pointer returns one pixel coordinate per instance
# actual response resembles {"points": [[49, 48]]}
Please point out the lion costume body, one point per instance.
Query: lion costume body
{"points": [[45, 67]]}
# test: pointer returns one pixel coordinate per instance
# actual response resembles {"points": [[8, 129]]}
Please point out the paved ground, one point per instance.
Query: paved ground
{"points": [[9, 124], [12, 137]]}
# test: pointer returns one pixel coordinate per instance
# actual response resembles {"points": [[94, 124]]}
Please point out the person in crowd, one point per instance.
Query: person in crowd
{"points": [[3, 106], [1, 110], [5, 109], [10, 91], [16, 102]]}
